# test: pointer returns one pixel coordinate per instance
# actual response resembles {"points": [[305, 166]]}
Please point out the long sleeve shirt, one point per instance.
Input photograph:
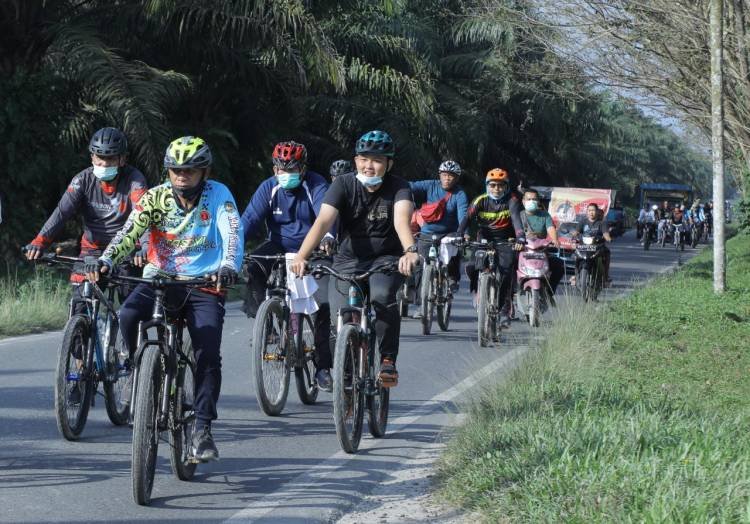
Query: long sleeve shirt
{"points": [[455, 208], [183, 243], [104, 207], [288, 214], [497, 219]]}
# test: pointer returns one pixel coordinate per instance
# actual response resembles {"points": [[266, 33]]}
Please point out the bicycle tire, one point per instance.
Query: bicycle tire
{"points": [[425, 293], [304, 375], [446, 302], [378, 404], [119, 367], [348, 401], [70, 419], [269, 322], [145, 430], [484, 318], [184, 424]]}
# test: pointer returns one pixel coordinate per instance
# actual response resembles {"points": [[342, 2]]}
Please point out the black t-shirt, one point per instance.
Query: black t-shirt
{"points": [[597, 227], [366, 231]]}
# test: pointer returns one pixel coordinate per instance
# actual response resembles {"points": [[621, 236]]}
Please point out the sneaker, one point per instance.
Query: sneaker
{"points": [[204, 448], [324, 380], [417, 314], [453, 285], [388, 375], [74, 395], [504, 321]]}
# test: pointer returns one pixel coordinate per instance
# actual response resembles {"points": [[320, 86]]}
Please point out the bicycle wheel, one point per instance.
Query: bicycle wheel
{"points": [[304, 371], [74, 381], [145, 429], [484, 316], [444, 305], [348, 399], [426, 297], [118, 381], [377, 404], [184, 418], [269, 346]]}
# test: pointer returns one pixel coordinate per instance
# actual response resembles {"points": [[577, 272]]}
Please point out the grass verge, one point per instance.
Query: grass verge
{"points": [[634, 412], [33, 304]]}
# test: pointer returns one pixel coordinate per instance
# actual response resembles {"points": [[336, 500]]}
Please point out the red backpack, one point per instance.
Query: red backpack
{"points": [[429, 212]]}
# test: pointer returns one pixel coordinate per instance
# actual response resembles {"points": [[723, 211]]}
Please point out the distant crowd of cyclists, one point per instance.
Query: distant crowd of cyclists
{"points": [[661, 223], [363, 217]]}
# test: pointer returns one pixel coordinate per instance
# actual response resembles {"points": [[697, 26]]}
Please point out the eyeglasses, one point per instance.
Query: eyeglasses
{"points": [[494, 185]]}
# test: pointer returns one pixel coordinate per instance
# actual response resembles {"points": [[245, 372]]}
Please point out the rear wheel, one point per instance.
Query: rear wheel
{"points": [[118, 382], [145, 429], [426, 295], [377, 405], [485, 318], [348, 401], [74, 380], [304, 371], [269, 346], [184, 418]]}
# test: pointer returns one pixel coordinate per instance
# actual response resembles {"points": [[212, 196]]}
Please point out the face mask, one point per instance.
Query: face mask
{"points": [[105, 174], [531, 205], [191, 193], [288, 180], [369, 180]]}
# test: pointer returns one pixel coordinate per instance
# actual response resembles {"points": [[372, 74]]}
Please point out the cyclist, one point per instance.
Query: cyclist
{"points": [[498, 214], [104, 193], [340, 167], [593, 224], [447, 203], [695, 215], [287, 203], [665, 213], [194, 229], [537, 223], [375, 208]]}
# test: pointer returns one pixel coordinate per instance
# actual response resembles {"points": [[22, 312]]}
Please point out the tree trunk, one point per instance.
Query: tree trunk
{"points": [[717, 142]]}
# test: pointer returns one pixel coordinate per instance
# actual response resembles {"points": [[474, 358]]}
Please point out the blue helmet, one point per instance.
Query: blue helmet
{"points": [[375, 143]]}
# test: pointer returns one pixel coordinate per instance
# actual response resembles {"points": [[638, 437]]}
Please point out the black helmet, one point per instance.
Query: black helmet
{"points": [[340, 167], [108, 141]]}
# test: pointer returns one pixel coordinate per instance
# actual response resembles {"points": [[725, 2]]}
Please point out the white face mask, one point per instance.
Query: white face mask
{"points": [[105, 174], [369, 180]]}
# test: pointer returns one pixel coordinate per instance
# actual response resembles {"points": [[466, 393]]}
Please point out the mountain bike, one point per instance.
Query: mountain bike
{"points": [[163, 389], [356, 385], [91, 353], [491, 278], [282, 341], [678, 236], [435, 292]]}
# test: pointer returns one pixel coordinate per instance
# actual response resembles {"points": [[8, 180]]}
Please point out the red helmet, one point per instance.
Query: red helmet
{"points": [[290, 154]]}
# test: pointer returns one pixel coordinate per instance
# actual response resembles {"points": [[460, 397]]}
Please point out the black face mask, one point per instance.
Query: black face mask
{"points": [[191, 193]]}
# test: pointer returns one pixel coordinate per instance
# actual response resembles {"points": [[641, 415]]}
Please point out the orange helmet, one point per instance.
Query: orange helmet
{"points": [[497, 175]]}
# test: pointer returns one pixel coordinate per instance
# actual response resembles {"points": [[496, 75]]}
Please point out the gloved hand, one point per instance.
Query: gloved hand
{"points": [[93, 267], [520, 243], [328, 245], [226, 277], [33, 252], [140, 258]]}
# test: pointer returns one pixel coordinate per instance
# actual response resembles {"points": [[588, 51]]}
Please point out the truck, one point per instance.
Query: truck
{"points": [[675, 194]]}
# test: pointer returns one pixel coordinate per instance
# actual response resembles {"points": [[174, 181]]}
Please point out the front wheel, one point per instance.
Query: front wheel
{"points": [[485, 318], [269, 346], [74, 380], [426, 297], [145, 428], [535, 307], [304, 371], [348, 398], [377, 405], [184, 418], [584, 281]]}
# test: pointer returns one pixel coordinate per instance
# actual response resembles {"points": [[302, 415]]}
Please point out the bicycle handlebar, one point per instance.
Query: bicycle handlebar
{"points": [[319, 270], [163, 282], [316, 255]]}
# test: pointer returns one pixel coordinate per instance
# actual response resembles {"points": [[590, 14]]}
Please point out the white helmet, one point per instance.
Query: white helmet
{"points": [[654, 207], [450, 166]]}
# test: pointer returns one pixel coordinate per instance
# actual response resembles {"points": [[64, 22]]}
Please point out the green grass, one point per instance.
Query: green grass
{"points": [[632, 413], [33, 304]]}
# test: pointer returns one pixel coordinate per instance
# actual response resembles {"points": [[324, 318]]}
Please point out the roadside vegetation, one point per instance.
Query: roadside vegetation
{"points": [[634, 412], [33, 303]]}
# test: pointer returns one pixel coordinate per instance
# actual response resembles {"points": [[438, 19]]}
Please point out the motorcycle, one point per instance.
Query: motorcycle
{"points": [[533, 274], [649, 235], [590, 276]]}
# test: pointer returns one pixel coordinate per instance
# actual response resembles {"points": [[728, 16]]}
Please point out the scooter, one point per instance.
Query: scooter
{"points": [[533, 274]]}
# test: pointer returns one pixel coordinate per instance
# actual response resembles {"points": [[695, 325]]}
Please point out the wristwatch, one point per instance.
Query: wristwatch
{"points": [[411, 249]]}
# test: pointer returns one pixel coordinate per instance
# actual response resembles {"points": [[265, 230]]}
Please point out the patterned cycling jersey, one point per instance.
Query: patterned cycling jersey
{"points": [[497, 219], [184, 243], [104, 206]]}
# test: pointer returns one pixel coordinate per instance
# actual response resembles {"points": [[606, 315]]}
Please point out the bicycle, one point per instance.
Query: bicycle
{"points": [[282, 341], [678, 236], [355, 369], [90, 353], [163, 390], [490, 303], [435, 292]]}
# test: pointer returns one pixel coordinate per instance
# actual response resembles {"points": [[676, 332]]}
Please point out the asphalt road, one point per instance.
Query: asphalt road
{"points": [[282, 469]]}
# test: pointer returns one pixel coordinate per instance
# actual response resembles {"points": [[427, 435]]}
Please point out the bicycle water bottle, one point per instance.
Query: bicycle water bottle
{"points": [[433, 252], [355, 297]]}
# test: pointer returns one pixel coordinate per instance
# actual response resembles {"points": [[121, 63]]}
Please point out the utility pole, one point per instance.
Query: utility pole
{"points": [[717, 142]]}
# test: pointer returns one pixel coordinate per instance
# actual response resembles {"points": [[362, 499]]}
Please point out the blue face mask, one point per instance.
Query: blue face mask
{"points": [[105, 174], [531, 205], [369, 180], [289, 180]]}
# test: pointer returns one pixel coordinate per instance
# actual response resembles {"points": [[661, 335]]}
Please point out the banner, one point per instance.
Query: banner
{"points": [[568, 205]]}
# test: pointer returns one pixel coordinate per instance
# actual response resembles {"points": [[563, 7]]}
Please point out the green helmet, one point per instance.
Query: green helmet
{"points": [[188, 151]]}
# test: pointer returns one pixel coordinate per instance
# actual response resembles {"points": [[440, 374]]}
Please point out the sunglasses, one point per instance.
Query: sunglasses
{"points": [[493, 185]]}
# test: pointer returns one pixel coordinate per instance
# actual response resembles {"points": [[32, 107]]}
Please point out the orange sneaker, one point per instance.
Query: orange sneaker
{"points": [[388, 375]]}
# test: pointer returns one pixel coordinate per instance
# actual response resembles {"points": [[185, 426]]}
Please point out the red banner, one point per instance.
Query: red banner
{"points": [[568, 205]]}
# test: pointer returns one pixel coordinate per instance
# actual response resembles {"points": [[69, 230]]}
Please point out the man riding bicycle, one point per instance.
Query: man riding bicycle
{"points": [[104, 193], [498, 214], [194, 230], [445, 206], [537, 223], [288, 203], [374, 208]]}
